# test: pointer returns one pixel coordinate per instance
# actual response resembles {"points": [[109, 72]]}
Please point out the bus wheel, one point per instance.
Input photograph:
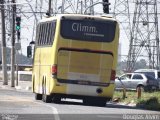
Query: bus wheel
{"points": [[101, 103], [56, 99], [94, 102], [46, 98], [38, 96], [86, 102]]}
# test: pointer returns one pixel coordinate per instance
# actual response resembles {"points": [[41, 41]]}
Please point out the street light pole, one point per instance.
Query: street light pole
{"points": [[13, 46], [49, 8], [4, 65]]}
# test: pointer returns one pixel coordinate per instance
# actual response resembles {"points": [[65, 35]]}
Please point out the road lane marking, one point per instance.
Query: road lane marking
{"points": [[54, 110], [13, 98], [17, 98]]}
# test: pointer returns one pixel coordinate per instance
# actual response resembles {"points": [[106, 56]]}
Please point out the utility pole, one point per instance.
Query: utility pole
{"points": [[145, 37], [4, 66], [13, 46], [122, 13]]}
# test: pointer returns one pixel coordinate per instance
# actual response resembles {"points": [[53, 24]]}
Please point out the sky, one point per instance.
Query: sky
{"points": [[28, 21], [28, 30]]}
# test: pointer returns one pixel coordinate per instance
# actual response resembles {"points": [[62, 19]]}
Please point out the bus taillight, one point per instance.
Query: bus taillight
{"points": [[54, 71], [113, 75]]}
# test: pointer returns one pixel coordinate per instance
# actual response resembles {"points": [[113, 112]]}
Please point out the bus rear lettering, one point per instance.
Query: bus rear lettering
{"points": [[78, 27]]}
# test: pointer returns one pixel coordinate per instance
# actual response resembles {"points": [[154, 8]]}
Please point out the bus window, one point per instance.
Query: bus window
{"points": [[52, 32], [42, 32], [45, 33], [88, 30], [39, 34], [49, 34]]}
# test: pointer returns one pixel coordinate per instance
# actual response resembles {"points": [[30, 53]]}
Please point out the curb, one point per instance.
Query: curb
{"points": [[123, 104], [27, 88], [7, 87], [22, 85]]}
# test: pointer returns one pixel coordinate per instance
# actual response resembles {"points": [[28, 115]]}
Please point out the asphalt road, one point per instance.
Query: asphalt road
{"points": [[20, 105]]}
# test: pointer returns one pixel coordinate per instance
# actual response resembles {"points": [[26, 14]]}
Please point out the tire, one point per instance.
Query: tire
{"points": [[101, 103], [95, 102], [46, 98], [86, 102], [33, 89], [38, 96], [56, 99], [154, 88]]}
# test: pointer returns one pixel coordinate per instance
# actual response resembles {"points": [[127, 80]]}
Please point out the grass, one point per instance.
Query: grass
{"points": [[148, 100]]}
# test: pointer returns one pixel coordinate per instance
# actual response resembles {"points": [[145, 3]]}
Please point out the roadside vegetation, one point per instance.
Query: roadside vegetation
{"points": [[148, 100]]}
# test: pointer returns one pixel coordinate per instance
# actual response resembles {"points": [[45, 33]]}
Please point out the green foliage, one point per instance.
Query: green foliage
{"points": [[141, 64], [148, 100], [151, 104]]}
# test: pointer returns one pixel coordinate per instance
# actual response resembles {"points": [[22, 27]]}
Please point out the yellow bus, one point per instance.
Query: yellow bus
{"points": [[75, 56]]}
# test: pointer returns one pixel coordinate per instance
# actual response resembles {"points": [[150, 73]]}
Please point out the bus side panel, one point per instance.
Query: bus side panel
{"points": [[36, 72]]}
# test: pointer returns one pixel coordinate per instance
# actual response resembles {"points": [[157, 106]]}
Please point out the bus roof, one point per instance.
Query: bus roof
{"points": [[77, 16]]}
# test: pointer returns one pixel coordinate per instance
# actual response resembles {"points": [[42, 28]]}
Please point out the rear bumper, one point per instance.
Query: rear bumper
{"points": [[83, 90], [80, 96]]}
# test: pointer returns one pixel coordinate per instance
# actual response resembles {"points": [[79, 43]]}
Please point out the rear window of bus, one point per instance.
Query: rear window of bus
{"points": [[88, 30]]}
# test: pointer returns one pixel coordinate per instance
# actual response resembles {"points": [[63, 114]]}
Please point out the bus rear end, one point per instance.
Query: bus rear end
{"points": [[87, 56]]}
